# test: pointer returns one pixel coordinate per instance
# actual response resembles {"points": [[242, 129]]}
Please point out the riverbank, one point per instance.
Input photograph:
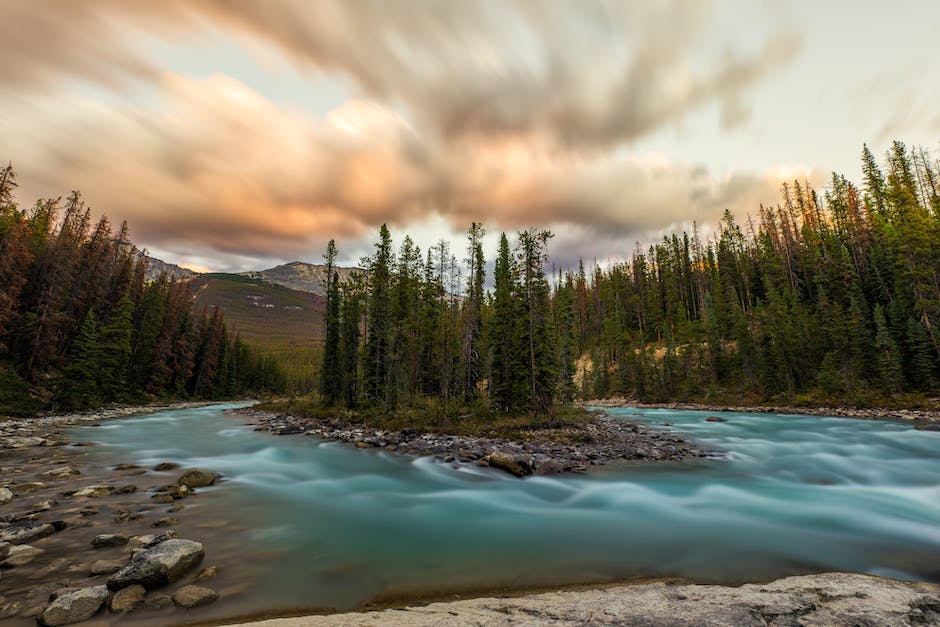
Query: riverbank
{"points": [[70, 525], [545, 451], [913, 415], [827, 599]]}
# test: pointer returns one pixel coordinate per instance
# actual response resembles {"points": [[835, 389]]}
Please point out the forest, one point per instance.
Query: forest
{"points": [[830, 298], [80, 326]]}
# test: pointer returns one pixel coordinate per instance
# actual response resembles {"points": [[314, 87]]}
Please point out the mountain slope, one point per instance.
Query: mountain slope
{"points": [[297, 275], [282, 322]]}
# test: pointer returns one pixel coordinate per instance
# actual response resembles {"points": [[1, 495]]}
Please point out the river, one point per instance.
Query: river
{"points": [[299, 523]]}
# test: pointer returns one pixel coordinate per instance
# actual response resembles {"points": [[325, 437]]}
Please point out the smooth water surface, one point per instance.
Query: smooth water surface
{"points": [[315, 524]]}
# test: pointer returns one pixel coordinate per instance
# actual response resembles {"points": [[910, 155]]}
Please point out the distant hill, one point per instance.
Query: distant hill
{"points": [[283, 322], [297, 275]]}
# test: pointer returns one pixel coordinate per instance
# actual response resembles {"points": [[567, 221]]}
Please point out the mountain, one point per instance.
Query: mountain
{"points": [[156, 267], [297, 275]]}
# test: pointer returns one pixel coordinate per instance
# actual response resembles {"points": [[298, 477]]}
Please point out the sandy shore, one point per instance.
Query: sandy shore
{"points": [[826, 599]]}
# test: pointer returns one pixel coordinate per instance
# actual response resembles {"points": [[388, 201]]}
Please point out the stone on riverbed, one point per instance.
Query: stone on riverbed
{"points": [[715, 419], [75, 606], [152, 540], [23, 442], [62, 471], [197, 478], [128, 599], [26, 531], [6, 495], [20, 555], [105, 567], [95, 491], [191, 597], [163, 564], [109, 539], [166, 466]]}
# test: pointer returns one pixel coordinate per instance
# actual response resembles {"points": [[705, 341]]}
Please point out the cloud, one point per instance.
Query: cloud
{"points": [[509, 113]]}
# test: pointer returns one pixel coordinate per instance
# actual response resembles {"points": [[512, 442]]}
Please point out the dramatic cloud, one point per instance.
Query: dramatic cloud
{"points": [[511, 113]]}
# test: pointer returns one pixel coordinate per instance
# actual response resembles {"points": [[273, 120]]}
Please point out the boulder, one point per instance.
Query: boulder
{"points": [[128, 599], [75, 606], [517, 465], [191, 597], [105, 540], [26, 531], [20, 555], [164, 563], [197, 478], [6, 495]]}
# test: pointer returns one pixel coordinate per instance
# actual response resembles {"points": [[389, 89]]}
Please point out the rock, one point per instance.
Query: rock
{"points": [[26, 531], [517, 465], [22, 442], [130, 488], [128, 599], [166, 466], [126, 467], [95, 491], [163, 564], [158, 602], [25, 488], [6, 495], [928, 427], [194, 596], [75, 606], [197, 478], [62, 471], [715, 419], [109, 539], [42, 506], [164, 522], [105, 567], [4, 549], [152, 540], [207, 573], [162, 498]]}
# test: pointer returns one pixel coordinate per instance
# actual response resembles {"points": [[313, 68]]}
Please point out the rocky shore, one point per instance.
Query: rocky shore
{"points": [[927, 417], [832, 599], [79, 540], [597, 442]]}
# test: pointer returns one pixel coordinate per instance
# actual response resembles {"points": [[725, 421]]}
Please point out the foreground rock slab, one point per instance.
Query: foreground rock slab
{"points": [[75, 606], [163, 564], [829, 599]]}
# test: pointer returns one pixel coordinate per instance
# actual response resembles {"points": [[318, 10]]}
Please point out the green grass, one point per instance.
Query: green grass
{"points": [[561, 424]]}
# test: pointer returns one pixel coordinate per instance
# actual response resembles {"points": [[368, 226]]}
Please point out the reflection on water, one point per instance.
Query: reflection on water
{"points": [[314, 524]]}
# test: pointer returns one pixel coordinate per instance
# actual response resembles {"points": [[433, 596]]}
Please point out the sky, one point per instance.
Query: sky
{"points": [[236, 135]]}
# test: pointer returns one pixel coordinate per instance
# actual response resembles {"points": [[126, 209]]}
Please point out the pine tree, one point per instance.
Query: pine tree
{"points": [[79, 386], [330, 375], [377, 353]]}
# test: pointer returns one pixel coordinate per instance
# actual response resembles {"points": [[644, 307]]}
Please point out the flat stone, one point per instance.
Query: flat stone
{"points": [[25, 488], [191, 597], [95, 491], [163, 564], [105, 567], [22, 441], [75, 606], [128, 599], [6, 495], [26, 531], [207, 573], [62, 471], [126, 467], [109, 539], [167, 521], [152, 539], [130, 488]]}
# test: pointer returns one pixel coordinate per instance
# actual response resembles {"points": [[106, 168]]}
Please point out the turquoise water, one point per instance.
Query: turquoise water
{"points": [[304, 523]]}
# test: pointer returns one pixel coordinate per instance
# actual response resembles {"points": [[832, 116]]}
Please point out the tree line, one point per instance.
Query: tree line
{"points": [[80, 325], [834, 297]]}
